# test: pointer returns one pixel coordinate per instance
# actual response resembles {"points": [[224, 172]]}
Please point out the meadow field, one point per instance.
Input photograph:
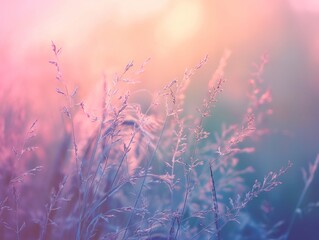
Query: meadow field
{"points": [[159, 120]]}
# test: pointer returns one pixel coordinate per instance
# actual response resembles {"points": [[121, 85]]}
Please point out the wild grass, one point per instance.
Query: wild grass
{"points": [[128, 172]]}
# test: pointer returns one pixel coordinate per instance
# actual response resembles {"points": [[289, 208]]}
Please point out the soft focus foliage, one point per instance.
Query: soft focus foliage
{"points": [[128, 171]]}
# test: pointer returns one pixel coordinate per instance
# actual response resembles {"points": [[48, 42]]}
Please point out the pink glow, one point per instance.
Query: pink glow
{"points": [[305, 5], [100, 38]]}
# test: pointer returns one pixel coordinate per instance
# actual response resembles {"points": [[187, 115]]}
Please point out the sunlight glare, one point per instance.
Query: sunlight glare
{"points": [[180, 23]]}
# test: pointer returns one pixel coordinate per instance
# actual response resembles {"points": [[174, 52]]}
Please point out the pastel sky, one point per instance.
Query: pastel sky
{"points": [[101, 37]]}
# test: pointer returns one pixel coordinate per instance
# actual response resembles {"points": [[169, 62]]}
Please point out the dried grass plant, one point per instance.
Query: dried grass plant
{"points": [[127, 173]]}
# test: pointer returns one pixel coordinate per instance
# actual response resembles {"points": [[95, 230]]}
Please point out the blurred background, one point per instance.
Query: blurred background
{"points": [[100, 37]]}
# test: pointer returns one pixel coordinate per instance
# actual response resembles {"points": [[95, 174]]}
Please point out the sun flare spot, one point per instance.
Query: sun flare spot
{"points": [[181, 22]]}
